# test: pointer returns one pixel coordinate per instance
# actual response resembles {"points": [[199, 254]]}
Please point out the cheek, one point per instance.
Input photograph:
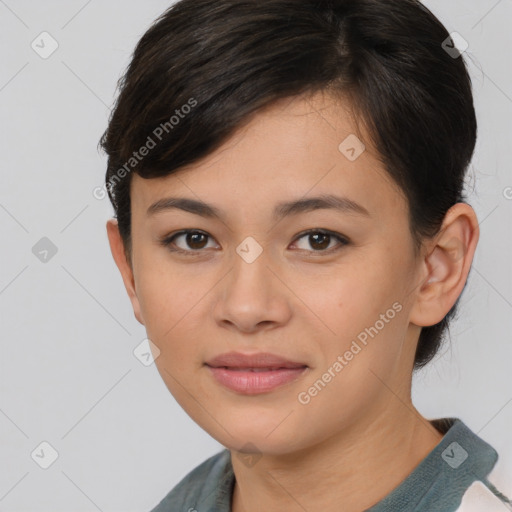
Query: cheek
{"points": [[359, 309], [167, 303], [349, 297]]}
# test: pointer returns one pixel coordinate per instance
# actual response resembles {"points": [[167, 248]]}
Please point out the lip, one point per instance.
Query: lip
{"points": [[254, 373], [256, 360]]}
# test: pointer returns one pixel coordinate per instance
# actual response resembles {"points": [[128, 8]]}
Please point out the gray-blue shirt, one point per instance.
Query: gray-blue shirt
{"points": [[438, 483]]}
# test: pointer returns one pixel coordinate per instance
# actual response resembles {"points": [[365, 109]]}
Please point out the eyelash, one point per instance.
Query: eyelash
{"points": [[168, 241]]}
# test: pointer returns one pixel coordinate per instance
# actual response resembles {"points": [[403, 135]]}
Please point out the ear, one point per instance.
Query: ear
{"points": [[125, 267], [445, 267]]}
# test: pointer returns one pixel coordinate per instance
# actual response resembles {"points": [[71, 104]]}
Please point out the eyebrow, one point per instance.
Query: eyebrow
{"points": [[281, 210]]}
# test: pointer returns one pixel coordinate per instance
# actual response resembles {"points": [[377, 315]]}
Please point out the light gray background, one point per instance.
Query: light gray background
{"points": [[68, 375]]}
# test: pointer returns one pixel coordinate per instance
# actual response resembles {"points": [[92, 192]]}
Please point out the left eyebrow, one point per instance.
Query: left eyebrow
{"points": [[323, 202], [326, 201]]}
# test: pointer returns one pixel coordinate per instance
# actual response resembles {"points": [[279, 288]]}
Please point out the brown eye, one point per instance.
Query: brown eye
{"points": [[320, 241], [187, 241], [196, 240]]}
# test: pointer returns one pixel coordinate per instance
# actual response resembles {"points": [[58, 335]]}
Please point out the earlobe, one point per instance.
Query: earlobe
{"points": [[125, 268], [446, 266]]}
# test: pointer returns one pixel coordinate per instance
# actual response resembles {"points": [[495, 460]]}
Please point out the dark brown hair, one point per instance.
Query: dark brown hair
{"points": [[205, 66]]}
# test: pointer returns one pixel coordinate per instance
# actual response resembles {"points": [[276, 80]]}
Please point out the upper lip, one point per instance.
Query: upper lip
{"points": [[258, 360]]}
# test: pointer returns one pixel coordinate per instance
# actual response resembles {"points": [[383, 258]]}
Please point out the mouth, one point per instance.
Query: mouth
{"points": [[254, 374]]}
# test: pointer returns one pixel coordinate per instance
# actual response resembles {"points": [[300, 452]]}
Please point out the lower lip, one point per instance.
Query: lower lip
{"points": [[252, 383]]}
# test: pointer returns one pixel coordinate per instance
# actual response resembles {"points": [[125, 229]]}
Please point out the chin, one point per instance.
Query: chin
{"points": [[263, 438]]}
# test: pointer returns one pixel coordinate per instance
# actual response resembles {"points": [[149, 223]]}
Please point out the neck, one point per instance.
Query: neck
{"points": [[357, 467]]}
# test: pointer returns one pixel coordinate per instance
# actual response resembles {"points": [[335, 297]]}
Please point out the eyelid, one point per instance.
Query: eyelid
{"points": [[168, 240], [343, 240]]}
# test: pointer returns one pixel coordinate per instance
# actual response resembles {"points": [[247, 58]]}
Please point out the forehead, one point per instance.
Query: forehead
{"points": [[296, 147]]}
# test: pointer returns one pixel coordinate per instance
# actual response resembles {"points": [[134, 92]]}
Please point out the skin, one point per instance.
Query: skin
{"points": [[360, 436]]}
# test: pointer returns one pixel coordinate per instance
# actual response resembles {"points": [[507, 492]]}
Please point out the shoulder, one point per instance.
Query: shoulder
{"points": [[205, 487], [491, 491]]}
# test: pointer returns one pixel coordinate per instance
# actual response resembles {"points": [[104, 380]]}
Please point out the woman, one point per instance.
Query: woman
{"points": [[291, 229]]}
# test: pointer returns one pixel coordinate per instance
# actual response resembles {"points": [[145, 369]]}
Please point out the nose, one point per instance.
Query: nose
{"points": [[251, 297]]}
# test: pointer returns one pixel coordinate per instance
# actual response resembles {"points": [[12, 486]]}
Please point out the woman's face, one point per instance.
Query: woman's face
{"points": [[253, 281]]}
